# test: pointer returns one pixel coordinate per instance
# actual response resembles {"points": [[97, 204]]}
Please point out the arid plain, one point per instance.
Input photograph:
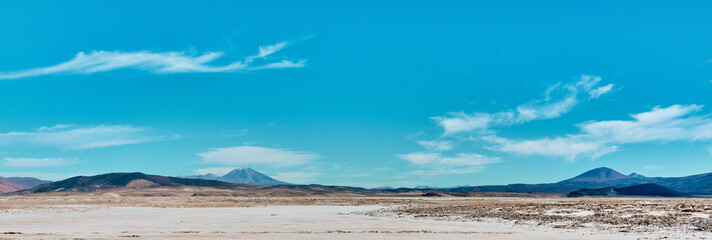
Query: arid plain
{"points": [[170, 214]]}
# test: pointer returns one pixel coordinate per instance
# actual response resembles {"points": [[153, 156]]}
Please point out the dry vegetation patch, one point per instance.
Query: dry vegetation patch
{"points": [[623, 214]]}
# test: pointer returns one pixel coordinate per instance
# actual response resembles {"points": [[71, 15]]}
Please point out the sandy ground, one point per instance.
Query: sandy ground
{"points": [[99, 217], [271, 222]]}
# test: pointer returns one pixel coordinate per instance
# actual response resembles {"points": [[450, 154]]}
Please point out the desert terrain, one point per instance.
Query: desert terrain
{"points": [[167, 214]]}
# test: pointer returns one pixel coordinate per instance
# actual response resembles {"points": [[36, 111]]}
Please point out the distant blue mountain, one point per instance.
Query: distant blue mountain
{"points": [[12, 184], [243, 176], [603, 177], [636, 175], [646, 189], [602, 174]]}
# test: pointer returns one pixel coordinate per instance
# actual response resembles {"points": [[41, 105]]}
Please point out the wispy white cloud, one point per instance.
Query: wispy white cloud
{"points": [[436, 145], [673, 123], [462, 122], [253, 155], [158, 62], [459, 159], [447, 171], [436, 163], [559, 99], [38, 162], [569, 147], [73, 137], [597, 92], [420, 158], [266, 51]]}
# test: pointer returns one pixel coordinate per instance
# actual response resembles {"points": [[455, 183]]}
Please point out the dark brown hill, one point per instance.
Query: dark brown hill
{"points": [[125, 180], [154, 184]]}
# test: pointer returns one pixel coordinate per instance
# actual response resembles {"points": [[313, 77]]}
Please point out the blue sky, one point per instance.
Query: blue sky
{"points": [[366, 93]]}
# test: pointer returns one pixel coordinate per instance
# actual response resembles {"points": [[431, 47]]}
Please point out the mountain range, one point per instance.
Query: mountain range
{"points": [[241, 175], [646, 189], [147, 185], [248, 182], [603, 177], [13, 184]]}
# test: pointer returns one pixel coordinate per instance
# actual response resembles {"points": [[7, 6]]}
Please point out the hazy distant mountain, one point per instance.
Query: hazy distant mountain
{"points": [[700, 184], [602, 174], [647, 189], [250, 176], [695, 184], [208, 176], [8, 186], [596, 182], [636, 175], [243, 176], [12, 184]]}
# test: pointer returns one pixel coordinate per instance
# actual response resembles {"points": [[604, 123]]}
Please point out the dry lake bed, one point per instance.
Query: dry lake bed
{"points": [[114, 216]]}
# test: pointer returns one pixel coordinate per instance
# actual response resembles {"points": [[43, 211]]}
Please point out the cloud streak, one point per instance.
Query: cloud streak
{"points": [[558, 100], [253, 155], [158, 62], [438, 164], [73, 137], [673, 123], [436, 145]]}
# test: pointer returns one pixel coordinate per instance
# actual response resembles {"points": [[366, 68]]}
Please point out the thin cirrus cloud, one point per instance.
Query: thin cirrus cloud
{"points": [[558, 100], [159, 62], [459, 159], [38, 162], [74, 137], [254, 155], [660, 124], [434, 163], [436, 145]]}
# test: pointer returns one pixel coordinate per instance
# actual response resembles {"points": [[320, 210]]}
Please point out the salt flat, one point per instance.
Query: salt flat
{"points": [[271, 222], [113, 217]]}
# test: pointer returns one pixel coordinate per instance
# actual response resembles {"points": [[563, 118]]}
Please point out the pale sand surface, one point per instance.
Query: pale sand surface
{"points": [[270, 222], [112, 217]]}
